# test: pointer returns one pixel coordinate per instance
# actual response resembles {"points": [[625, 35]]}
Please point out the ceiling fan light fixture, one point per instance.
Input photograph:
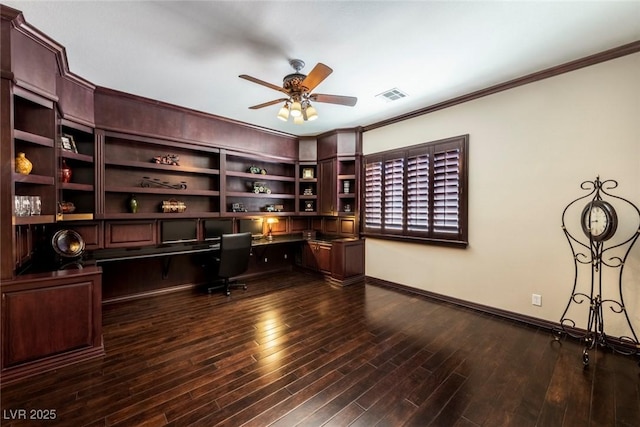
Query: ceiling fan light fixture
{"points": [[311, 112], [298, 88], [283, 114], [296, 109]]}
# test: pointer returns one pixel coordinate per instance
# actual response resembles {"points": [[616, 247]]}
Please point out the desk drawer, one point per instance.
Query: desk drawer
{"points": [[130, 233]]}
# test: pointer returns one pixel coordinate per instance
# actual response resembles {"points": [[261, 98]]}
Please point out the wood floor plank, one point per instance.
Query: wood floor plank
{"points": [[293, 350]]}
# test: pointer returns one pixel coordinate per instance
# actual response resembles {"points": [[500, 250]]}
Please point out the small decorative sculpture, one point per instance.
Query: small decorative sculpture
{"points": [[261, 187], [169, 159], [148, 182], [23, 165], [256, 170], [65, 172], [238, 207], [133, 204]]}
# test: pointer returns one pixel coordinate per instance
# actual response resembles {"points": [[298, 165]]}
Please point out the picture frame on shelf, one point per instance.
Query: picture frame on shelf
{"points": [[67, 143], [309, 206], [307, 173]]}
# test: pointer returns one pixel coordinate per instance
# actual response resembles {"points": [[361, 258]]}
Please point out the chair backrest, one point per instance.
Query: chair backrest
{"points": [[235, 250]]}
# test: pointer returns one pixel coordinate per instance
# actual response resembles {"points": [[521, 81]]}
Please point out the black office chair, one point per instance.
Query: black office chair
{"points": [[235, 250]]}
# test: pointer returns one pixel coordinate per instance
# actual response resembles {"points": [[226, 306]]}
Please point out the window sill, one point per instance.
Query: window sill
{"points": [[420, 240]]}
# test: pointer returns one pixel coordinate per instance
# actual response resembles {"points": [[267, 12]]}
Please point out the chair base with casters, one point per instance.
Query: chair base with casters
{"points": [[227, 285], [235, 250]]}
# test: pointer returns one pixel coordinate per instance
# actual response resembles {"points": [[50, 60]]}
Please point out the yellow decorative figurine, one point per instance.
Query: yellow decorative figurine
{"points": [[23, 165]]}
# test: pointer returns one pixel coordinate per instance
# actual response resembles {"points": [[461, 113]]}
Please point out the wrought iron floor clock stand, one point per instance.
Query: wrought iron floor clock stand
{"points": [[599, 223]]}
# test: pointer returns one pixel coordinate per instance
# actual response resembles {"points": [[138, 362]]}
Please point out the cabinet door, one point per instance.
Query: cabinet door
{"points": [[323, 258], [308, 256], [51, 316], [327, 190], [317, 256]]}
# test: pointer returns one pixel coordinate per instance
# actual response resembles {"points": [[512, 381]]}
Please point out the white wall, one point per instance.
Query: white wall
{"points": [[529, 150]]}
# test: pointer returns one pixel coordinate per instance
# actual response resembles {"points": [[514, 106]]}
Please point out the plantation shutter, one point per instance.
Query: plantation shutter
{"points": [[393, 193], [418, 193], [373, 195], [446, 191]]}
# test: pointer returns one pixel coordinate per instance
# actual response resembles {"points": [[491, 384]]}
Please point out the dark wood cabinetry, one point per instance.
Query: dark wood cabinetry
{"points": [[80, 189], [50, 320], [317, 256], [327, 176], [116, 138], [259, 184], [308, 188], [339, 171], [340, 260], [130, 168], [347, 261]]}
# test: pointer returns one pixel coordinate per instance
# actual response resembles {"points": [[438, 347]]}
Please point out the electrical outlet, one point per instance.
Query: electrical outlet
{"points": [[285, 256], [536, 299], [265, 260]]}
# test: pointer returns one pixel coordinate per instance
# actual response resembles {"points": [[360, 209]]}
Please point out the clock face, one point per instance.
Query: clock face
{"points": [[599, 220]]}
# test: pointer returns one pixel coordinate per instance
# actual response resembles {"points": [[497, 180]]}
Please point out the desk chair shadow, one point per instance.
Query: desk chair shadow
{"points": [[233, 260]]}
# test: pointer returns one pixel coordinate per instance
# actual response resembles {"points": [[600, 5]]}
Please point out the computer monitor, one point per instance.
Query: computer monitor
{"points": [[182, 230], [253, 226], [214, 228]]}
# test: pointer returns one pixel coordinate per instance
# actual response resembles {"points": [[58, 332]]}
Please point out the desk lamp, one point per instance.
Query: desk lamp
{"points": [[270, 222]]}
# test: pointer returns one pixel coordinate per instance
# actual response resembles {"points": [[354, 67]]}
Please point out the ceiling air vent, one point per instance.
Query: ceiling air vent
{"points": [[392, 95]]}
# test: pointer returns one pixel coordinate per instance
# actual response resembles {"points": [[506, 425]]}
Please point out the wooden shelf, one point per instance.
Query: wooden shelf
{"points": [[33, 138], [76, 186], [257, 213], [33, 219], [155, 166], [65, 154], [345, 177], [33, 179], [260, 195], [261, 177], [168, 191], [75, 217], [159, 215]]}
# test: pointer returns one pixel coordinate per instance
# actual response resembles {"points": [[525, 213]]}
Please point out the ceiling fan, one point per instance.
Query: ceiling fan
{"points": [[298, 88]]}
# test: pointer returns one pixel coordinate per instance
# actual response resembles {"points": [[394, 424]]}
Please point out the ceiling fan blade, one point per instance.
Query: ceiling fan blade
{"points": [[316, 76], [334, 99], [266, 104], [263, 83]]}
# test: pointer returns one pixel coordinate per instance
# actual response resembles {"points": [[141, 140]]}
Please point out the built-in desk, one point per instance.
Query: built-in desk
{"points": [[138, 271], [179, 248], [145, 270]]}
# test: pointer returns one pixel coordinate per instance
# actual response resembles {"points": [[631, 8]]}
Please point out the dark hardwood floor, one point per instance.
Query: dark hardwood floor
{"points": [[293, 350]]}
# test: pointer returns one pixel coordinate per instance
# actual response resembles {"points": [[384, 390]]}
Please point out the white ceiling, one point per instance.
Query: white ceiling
{"points": [[190, 53]]}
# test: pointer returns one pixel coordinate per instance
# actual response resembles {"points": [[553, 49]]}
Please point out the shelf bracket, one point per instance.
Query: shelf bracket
{"points": [[166, 263]]}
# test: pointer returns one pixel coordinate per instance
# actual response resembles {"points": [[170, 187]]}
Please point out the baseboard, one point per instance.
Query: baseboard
{"points": [[620, 345], [146, 294], [57, 361], [528, 320]]}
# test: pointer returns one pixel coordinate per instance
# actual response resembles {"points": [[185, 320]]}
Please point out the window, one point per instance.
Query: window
{"points": [[418, 193]]}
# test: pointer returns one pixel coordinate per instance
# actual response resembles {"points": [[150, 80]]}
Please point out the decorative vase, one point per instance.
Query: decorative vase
{"points": [[23, 165], [133, 204], [65, 172]]}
